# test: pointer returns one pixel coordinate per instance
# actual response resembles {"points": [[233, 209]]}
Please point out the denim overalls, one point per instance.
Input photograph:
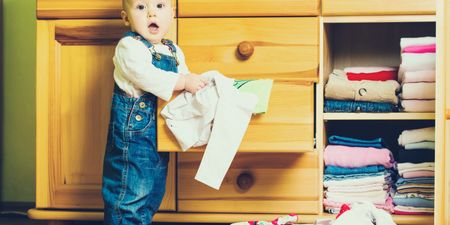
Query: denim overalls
{"points": [[134, 173]]}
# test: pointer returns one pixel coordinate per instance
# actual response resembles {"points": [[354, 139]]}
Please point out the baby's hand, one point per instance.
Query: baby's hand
{"points": [[194, 82]]}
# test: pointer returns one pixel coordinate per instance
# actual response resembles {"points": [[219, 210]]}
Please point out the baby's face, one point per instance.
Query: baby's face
{"points": [[149, 18]]}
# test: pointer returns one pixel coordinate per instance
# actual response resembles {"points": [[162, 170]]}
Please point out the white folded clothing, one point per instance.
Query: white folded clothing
{"points": [[368, 69], [373, 197], [419, 76], [414, 105], [420, 145], [358, 188], [416, 135], [419, 91], [380, 180]]}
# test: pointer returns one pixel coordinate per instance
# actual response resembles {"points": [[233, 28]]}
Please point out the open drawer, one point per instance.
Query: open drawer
{"points": [[287, 126]]}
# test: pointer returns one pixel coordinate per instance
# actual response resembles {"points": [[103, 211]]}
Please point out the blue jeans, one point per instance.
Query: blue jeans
{"points": [[357, 106], [134, 173]]}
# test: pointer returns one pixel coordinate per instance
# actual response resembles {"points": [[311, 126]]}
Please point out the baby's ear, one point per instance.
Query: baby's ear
{"points": [[124, 16]]}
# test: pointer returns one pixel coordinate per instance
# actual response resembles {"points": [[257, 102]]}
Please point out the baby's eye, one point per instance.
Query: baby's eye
{"points": [[140, 7], [160, 5]]}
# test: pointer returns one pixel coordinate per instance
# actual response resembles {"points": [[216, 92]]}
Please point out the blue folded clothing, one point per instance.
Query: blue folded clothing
{"points": [[342, 170], [353, 142]]}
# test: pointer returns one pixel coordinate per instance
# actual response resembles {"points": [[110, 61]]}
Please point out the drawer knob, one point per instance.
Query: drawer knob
{"points": [[245, 49], [245, 181]]}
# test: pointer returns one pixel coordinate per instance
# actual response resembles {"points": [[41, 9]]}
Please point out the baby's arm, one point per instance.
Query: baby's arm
{"points": [[189, 82]]}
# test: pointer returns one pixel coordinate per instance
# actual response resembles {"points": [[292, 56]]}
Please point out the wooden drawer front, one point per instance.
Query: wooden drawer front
{"points": [[80, 9], [283, 47], [378, 7], [193, 8], [255, 183], [288, 126]]}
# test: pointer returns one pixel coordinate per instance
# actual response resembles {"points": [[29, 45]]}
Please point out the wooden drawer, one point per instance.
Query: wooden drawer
{"points": [[288, 126], [378, 7], [255, 183], [284, 48], [80, 9], [194, 8]]}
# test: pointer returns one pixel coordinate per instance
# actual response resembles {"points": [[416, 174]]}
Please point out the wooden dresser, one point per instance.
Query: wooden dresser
{"points": [[279, 167]]}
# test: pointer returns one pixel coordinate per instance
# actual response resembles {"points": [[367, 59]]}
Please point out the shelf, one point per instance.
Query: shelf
{"points": [[379, 19], [379, 116], [40, 214]]}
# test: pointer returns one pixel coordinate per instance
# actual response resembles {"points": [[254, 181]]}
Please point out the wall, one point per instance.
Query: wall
{"points": [[17, 102]]}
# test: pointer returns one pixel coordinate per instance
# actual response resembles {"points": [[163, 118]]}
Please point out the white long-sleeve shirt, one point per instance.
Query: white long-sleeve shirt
{"points": [[135, 74]]}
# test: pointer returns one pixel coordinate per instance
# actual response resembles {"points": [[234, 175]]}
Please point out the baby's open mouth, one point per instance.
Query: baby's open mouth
{"points": [[154, 28]]}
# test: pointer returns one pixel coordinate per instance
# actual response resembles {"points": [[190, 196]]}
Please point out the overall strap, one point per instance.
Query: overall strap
{"points": [[151, 47]]}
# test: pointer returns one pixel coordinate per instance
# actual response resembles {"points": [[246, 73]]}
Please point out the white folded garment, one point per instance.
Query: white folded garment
{"points": [[419, 91], [418, 105], [416, 135], [368, 69]]}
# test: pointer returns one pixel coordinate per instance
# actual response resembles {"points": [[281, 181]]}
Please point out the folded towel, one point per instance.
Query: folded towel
{"points": [[260, 88]]}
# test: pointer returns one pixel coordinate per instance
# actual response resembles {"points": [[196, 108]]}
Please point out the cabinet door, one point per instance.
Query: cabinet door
{"points": [[74, 85]]}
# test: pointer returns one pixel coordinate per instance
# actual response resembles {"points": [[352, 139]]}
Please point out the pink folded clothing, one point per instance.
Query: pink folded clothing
{"points": [[352, 157], [419, 76], [412, 41], [418, 173], [418, 105], [418, 91], [388, 205], [430, 48]]}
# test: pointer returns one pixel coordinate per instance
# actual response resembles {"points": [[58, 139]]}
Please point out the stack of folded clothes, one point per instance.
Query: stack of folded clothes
{"points": [[357, 170], [415, 186], [362, 89], [417, 74]]}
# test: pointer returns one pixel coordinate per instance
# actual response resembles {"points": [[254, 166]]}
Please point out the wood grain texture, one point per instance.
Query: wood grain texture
{"points": [[80, 9], [378, 7], [279, 50], [208, 8], [74, 88], [283, 183], [289, 121]]}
